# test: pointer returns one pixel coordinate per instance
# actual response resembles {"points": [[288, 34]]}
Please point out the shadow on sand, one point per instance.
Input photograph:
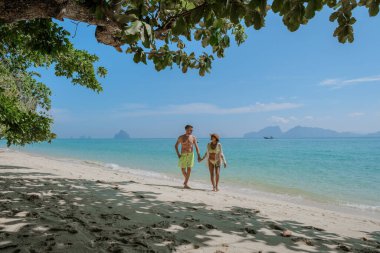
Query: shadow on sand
{"points": [[43, 213]]}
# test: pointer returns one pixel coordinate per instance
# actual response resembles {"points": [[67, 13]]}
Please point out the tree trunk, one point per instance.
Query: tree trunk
{"points": [[17, 10]]}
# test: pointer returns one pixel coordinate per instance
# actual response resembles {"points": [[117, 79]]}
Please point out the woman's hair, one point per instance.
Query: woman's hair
{"points": [[216, 136]]}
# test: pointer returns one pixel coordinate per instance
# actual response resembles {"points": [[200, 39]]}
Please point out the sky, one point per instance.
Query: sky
{"points": [[276, 77]]}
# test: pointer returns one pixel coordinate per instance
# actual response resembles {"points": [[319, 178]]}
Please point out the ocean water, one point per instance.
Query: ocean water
{"points": [[344, 172]]}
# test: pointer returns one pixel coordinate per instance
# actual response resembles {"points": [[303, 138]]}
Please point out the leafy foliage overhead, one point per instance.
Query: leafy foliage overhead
{"points": [[25, 102], [159, 30]]}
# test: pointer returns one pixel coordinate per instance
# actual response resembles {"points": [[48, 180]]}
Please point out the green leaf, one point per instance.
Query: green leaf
{"points": [[180, 26], [334, 16], [235, 13], [137, 57], [135, 28], [196, 15], [147, 36], [276, 5], [205, 41], [373, 8], [198, 35], [310, 9], [143, 58], [126, 18]]}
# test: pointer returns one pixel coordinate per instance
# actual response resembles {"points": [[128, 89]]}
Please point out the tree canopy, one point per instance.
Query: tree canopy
{"points": [[24, 102], [150, 30]]}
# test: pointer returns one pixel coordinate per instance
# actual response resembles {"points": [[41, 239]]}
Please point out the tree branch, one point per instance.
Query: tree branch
{"points": [[165, 27], [107, 31]]}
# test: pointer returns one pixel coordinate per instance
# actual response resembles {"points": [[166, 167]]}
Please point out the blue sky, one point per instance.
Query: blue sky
{"points": [[275, 78]]}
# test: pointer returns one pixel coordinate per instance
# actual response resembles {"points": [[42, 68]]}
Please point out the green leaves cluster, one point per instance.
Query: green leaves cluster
{"points": [[25, 102], [174, 23], [23, 106], [158, 31]]}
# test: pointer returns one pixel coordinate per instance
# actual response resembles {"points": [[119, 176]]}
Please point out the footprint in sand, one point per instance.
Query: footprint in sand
{"points": [[313, 228], [308, 242], [209, 226], [96, 229], [191, 219], [162, 224], [184, 225], [113, 216], [250, 231], [276, 227]]}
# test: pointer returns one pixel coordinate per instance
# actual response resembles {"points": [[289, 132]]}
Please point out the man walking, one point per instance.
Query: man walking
{"points": [[186, 157]]}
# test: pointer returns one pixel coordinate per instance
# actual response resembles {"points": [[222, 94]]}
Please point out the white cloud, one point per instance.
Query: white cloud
{"points": [[356, 114], [291, 119], [277, 119], [338, 83], [205, 108], [309, 117], [282, 120], [287, 98], [133, 106]]}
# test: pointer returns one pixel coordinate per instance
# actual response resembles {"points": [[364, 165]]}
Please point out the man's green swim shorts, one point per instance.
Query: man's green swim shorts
{"points": [[186, 160]]}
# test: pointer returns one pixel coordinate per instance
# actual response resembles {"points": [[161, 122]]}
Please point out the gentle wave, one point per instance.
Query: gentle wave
{"points": [[137, 172], [113, 166], [234, 188], [362, 207]]}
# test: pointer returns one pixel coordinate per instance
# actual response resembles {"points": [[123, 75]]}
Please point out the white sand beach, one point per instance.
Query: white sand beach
{"points": [[60, 205]]}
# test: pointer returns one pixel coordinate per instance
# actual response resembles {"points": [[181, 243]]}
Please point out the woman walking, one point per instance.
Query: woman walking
{"points": [[215, 157]]}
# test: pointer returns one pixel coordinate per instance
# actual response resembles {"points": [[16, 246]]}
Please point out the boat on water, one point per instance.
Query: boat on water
{"points": [[268, 137]]}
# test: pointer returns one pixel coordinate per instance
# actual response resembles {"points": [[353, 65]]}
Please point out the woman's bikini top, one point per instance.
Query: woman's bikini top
{"points": [[213, 151]]}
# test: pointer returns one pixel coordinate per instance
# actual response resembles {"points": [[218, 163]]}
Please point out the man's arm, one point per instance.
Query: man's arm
{"points": [[202, 158], [197, 148], [176, 147]]}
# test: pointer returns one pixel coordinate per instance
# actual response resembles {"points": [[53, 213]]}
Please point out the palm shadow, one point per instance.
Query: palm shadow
{"points": [[75, 215]]}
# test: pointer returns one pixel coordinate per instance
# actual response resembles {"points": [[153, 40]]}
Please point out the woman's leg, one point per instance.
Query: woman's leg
{"points": [[217, 173], [211, 169]]}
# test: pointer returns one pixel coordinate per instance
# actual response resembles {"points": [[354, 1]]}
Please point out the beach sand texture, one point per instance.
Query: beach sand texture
{"points": [[59, 205]]}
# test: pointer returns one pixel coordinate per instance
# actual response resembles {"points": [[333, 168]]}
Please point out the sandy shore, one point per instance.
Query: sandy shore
{"points": [[58, 205]]}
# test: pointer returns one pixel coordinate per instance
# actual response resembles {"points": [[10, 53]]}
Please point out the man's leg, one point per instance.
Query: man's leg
{"points": [[184, 173], [187, 177]]}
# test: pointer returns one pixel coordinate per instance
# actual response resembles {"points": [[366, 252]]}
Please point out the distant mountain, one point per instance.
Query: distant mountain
{"points": [[304, 132], [122, 135], [315, 132], [274, 131]]}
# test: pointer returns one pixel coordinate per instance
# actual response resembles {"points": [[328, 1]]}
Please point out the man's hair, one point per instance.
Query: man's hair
{"points": [[188, 126]]}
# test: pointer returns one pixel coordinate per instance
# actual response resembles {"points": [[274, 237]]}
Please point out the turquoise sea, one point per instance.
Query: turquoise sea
{"points": [[345, 172]]}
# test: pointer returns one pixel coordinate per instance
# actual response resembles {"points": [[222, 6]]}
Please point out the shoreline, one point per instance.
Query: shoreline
{"points": [[357, 209], [62, 205]]}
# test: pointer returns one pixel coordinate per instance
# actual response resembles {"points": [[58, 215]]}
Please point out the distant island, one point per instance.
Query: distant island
{"points": [[304, 132], [122, 135]]}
